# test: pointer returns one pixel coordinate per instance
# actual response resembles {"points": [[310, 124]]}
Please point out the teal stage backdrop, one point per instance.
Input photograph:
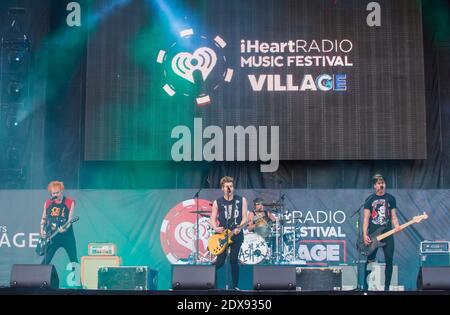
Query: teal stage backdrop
{"points": [[156, 227]]}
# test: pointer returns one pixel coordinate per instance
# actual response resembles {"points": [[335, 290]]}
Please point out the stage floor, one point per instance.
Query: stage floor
{"points": [[34, 291]]}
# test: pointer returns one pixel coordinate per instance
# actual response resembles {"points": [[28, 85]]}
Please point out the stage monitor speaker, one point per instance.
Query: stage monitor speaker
{"points": [[34, 276], [193, 277], [274, 277], [434, 278]]}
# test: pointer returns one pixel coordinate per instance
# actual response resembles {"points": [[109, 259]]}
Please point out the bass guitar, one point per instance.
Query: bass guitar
{"points": [[217, 243], [376, 237], [44, 242]]}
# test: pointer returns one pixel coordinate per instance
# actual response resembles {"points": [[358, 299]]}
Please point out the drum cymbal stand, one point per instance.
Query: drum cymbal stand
{"points": [[279, 234], [276, 252], [294, 230], [288, 250]]}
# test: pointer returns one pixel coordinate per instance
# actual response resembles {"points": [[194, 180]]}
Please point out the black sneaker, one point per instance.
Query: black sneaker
{"points": [[236, 289]]}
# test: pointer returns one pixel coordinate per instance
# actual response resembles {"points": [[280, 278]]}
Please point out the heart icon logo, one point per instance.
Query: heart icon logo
{"points": [[184, 64]]}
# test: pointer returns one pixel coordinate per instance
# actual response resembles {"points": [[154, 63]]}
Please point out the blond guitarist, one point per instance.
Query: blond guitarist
{"points": [[230, 212]]}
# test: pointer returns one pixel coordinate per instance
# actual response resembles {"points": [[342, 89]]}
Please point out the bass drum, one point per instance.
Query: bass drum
{"points": [[254, 249]]}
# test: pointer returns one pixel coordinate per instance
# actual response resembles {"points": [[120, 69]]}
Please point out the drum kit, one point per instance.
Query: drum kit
{"points": [[271, 242]]}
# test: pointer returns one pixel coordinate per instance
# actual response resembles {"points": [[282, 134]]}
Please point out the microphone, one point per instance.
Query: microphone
{"points": [[54, 198], [229, 190]]}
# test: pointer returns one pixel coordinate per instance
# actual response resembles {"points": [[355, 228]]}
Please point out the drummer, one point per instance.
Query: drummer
{"points": [[262, 225]]}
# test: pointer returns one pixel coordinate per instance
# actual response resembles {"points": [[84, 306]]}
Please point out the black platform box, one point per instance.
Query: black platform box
{"points": [[319, 279], [127, 278]]}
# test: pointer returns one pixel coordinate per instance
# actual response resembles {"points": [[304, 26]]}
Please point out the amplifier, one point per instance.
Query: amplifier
{"points": [[102, 249], [90, 266], [427, 247], [127, 278], [319, 279]]}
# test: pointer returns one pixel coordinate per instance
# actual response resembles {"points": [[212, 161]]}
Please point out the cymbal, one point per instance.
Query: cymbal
{"points": [[273, 204], [200, 212]]}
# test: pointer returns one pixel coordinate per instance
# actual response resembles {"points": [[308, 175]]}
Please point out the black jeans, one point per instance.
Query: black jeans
{"points": [[235, 247], [388, 250], [65, 240]]}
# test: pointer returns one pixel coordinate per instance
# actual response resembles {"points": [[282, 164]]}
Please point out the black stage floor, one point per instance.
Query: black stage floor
{"points": [[35, 291]]}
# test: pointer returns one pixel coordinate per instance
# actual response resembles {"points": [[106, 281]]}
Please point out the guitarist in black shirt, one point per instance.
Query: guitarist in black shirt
{"points": [[380, 211], [230, 210], [57, 214]]}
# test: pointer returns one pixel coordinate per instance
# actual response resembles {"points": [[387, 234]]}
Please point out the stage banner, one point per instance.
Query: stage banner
{"points": [[157, 228]]}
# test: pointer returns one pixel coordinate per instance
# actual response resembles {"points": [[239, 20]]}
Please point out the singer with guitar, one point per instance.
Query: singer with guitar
{"points": [[57, 214], [230, 213], [380, 211]]}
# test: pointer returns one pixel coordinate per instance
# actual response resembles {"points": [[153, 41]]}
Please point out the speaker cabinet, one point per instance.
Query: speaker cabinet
{"points": [[274, 277], [433, 278], [34, 276], [193, 277]]}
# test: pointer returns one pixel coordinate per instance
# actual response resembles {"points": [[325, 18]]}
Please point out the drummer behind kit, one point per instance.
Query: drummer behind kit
{"points": [[258, 241], [263, 225], [270, 243]]}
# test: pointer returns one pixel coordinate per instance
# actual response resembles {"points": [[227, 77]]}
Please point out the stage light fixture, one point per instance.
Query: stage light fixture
{"points": [[11, 121], [15, 90], [15, 59]]}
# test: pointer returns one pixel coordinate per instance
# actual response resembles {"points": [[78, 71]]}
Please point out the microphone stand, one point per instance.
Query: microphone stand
{"points": [[280, 240], [196, 249], [227, 257], [45, 241], [196, 246], [358, 262]]}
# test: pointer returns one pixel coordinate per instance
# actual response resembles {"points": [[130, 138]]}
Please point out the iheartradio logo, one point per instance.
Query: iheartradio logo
{"points": [[178, 234], [184, 64], [193, 53]]}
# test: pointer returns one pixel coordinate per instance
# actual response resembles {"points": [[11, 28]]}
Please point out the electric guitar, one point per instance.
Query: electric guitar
{"points": [[217, 243], [376, 236], [44, 242]]}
